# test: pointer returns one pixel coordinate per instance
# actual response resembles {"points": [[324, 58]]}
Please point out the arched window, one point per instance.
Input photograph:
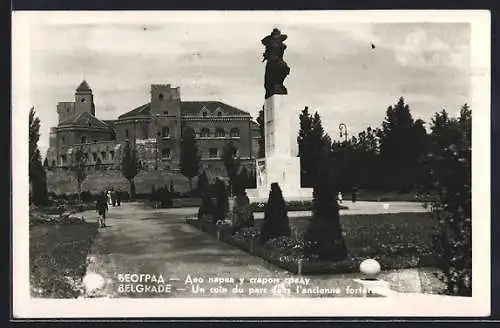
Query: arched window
{"points": [[220, 133], [219, 113], [165, 132], [204, 113], [84, 139], [205, 133], [235, 132]]}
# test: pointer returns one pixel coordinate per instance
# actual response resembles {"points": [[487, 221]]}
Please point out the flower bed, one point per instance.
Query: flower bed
{"points": [[58, 258], [291, 206], [397, 241]]}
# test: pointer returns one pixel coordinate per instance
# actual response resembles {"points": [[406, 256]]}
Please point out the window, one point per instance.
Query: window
{"points": [[165, 132], [235, 132], [63, 141], [111, 155], [86, 156], [84, 139], [220, 133], [205, 133], [103, 154], [83, 99], [67, 110], [94, 157], [160, 96], [126, 133], [204, 114], [213, 153], [219, 113], [165, 153], [145, 131], [165, 112]]}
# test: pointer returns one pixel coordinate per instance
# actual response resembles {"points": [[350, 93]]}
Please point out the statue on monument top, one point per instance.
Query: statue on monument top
{"points": [[276, 68]]}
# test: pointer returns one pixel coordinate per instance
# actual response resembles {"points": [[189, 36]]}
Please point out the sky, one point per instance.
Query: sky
{"points": [[334, 69]]}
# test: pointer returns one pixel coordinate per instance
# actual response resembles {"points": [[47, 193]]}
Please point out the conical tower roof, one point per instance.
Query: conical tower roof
{"points": [[84, 86]]}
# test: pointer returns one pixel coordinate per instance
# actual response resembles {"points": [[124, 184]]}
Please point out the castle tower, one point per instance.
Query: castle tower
{"points": [[84, 99]]}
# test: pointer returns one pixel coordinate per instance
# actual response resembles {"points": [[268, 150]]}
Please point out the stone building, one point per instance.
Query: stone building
{"points": [[155, 129]]}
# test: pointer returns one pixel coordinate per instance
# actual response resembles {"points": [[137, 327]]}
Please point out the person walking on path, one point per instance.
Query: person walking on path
{"points": [[339, 197], [109, 197], [102, 208]]}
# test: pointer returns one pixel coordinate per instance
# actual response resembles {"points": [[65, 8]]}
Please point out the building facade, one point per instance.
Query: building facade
{"points": [[155, 129]]}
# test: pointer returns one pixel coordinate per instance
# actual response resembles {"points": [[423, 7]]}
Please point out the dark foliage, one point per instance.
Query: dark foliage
{"points": [[449, 185], [222, 200], [275, 216], [324, 234]]}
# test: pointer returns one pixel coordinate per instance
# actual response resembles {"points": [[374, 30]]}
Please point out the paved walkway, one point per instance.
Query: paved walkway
{"points": [[142, 240]]}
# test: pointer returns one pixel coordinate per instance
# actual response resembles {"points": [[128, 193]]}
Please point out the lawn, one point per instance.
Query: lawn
{"points": [[58, 258], [396, 240]]}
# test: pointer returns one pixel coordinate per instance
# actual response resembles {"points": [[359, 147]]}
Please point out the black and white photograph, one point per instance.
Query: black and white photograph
{"points": [[260, 163]]}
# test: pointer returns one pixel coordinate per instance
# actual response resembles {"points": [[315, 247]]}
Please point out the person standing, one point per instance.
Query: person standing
{"points": [[101, 208], [339, 197], [113, 197], [118, 197]]}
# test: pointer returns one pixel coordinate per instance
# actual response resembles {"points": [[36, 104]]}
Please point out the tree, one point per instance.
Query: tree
{"points": [[130, 166], [323, 236], [190, 158], [449, 183], [262, 141], [276, 222], [399, 148], [37, 174], [79, 169], [231, 163], [202, 183], [303, 141], [221, 201]]}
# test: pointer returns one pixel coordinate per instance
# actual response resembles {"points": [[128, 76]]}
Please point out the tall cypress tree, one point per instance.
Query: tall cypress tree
{"points": [[190, 157], [37, 174], [130, 166]]}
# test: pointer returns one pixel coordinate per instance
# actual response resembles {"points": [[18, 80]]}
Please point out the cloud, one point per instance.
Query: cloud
{"points": [[333, 68]]}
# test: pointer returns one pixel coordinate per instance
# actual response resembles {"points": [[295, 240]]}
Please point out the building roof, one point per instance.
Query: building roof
{"points": [[85, 119], [190, 108], [84, 86]]}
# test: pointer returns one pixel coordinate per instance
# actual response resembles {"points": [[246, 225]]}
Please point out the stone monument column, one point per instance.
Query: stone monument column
{"points": [[279, 165]]}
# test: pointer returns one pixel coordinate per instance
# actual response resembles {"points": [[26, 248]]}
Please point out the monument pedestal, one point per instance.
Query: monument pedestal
{"points": [[279, 165]]}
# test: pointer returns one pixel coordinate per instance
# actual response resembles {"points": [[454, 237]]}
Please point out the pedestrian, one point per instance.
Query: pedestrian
{"points": [[101, 208], [113, 197], [339, 197], [118, 197], [109, 197]]}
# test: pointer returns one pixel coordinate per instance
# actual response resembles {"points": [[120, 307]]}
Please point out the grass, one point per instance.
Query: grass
{"points": [[396, 240], [58, 258]]}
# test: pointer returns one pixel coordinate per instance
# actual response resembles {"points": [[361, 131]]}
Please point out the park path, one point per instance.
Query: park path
{"points": [[141, 240]]}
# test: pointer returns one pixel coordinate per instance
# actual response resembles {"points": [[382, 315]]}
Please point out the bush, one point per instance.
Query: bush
{"points": [[221, 202], [165, 197], [324, 235], [86, 196], [207, 208], [449, 182], [275, 216], [242, 215]]}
